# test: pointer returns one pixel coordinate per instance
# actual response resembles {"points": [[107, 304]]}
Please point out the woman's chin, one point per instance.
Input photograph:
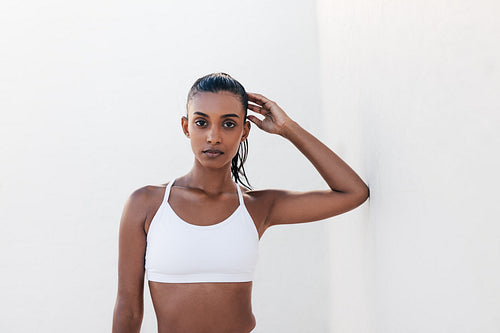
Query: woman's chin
{"points": [[213, 162]]}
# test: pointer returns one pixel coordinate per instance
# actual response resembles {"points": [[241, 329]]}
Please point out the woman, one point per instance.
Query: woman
{"points": [[196, 237]]}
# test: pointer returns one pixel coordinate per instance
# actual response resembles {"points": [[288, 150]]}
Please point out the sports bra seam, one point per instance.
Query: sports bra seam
{"points": [[194, 277]]}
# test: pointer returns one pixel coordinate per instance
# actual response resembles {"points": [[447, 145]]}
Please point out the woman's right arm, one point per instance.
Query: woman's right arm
{"points": [[129, 305]]}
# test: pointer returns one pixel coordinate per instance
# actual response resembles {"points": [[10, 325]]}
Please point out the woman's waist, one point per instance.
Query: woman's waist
{"points": [[219, 305]]}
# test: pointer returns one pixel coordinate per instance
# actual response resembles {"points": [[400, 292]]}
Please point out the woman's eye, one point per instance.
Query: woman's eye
{"points": [[229, 124], [200, 122]]}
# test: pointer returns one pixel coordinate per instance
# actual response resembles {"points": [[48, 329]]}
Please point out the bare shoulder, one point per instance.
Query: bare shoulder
{"points": [[142, 197], [263, 197], [142, 203], [259, 204], [149, 193]]}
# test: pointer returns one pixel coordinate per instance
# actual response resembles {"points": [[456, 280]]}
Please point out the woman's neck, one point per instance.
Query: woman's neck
{"points": [[213, 181]]}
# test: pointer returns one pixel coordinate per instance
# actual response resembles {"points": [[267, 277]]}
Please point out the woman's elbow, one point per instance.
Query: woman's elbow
{"points": [[361, 195]]}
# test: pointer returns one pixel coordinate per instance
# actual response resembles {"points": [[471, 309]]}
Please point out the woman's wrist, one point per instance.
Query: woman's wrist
{"points": [[289, 128]]}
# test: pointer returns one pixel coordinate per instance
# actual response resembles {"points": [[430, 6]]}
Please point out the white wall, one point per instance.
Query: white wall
{"points": [[91, 98], [410, 91]]}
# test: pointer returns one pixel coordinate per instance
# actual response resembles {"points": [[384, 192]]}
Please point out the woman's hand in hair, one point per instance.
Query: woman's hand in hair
{"points": [[275, 120]]}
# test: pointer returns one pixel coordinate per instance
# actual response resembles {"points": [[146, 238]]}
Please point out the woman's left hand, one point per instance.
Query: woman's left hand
{"points": [[275, 119]]}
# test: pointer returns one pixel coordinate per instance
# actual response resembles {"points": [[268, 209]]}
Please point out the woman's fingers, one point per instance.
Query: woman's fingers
{"points": [[255, 120], [264, 105], [258, 99], [256, 108], [274, 116], [263, 111]]}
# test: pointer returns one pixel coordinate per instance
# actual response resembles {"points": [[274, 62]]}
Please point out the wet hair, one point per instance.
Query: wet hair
{"points": [[217, 82]]}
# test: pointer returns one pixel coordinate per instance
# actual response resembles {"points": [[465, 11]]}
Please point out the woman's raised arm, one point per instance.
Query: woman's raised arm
{"points": [[347, 189], [129, 305]]}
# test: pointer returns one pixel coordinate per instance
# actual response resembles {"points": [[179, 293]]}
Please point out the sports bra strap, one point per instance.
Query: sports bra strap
{"points": [[240, 196], [167, 191]]}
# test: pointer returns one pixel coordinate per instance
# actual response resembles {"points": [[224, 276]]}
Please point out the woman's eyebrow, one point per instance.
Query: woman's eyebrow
{"points": [[230, 115], [223, 116], [201, 114]]}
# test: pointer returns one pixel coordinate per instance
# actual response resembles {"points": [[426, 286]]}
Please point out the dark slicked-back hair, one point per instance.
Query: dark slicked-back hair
{"points": [[215, 83]]}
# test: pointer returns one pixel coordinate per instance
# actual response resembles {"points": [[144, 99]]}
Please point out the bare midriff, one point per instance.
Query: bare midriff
{"points": [[221, 307]]}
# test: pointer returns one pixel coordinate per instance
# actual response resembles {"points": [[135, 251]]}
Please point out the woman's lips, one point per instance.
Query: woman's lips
{"points": [[212, 153]]}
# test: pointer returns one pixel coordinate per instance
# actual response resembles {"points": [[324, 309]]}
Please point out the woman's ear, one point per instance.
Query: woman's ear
{"points": [[185, 127], [246, 130]]}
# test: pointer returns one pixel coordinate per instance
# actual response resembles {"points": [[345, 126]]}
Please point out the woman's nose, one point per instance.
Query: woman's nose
{"points": [[214, 136]]}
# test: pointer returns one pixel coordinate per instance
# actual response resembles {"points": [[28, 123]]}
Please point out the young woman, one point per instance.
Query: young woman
{"points": [[196, 237]]}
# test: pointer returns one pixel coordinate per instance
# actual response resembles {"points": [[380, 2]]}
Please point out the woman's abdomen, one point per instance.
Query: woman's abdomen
{"points": [[203, 307]]}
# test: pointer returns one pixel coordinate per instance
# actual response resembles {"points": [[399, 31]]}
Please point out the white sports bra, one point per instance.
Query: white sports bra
{"points": [[180, 252]]}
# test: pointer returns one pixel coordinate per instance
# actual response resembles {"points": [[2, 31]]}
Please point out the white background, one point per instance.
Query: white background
{"points": [[91, 95]]}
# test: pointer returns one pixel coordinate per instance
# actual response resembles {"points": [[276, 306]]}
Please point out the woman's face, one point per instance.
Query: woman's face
{"points": [[215, 126]]}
